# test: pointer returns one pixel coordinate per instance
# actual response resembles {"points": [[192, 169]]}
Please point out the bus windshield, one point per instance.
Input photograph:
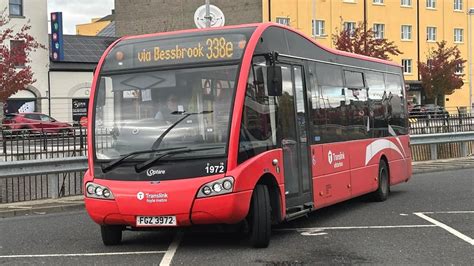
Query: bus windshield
{"points": [[164, 110]]}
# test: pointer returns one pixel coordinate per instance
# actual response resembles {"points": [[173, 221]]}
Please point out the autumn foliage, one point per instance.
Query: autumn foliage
{"points": [[438, 76], [364, 42], [15, 72]]}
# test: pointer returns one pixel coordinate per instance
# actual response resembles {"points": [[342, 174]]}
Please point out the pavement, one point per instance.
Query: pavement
{"points": [[45, 206]]}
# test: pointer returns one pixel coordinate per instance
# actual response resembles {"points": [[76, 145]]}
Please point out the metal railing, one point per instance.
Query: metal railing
{"points": [[40, 143], [39, 179], [442, 123], [442, 145], [58, 177]]}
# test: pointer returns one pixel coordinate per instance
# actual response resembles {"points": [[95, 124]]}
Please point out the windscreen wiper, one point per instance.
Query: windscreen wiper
{"points": [[142, 166], [110, 166], [158, 141]]}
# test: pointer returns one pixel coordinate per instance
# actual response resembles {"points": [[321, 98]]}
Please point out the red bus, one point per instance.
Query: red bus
{"points": [[249, 125]]}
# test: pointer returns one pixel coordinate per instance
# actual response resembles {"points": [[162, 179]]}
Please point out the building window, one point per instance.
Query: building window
{"points": [[17, 50], [458, 35], [459, 69], [405, 2], [431, 33], [406, 63], [350, 26], [431, 3], [378, 1], [406, 32], [458, 5], [318, 27], [379, 30], [284, 21], [16, 7]]}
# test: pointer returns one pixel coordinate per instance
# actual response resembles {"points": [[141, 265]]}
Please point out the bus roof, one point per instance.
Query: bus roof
{"points": [[262, 27]]}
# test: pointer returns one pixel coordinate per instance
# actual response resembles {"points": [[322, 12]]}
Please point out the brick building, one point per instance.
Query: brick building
{"points": [[148, 16]]}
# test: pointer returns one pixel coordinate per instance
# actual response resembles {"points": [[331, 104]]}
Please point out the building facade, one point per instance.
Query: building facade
{"points": [[71, 78], [414, 25], [20, 13], [97, 26]]}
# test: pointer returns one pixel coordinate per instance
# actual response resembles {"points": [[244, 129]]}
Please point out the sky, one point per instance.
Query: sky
{"points": [[79, 11]]}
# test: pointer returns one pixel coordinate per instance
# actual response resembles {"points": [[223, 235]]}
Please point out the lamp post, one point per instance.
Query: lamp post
{"points": [[469, 26], [208, 15]]}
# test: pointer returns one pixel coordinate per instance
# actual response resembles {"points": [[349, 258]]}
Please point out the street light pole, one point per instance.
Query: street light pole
{"points": [[208, 14], [469, 26]]}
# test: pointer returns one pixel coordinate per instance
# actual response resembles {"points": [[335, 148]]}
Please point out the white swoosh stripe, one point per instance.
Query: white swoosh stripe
{"points": [[377, 146], [392, 132]]}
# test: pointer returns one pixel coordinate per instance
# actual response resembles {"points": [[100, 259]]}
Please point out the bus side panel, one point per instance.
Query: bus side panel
{"points": [[363, 177], [331, 174], [331, 189], [397, 152], [405, 139], [400, 167], [249, 172], [397, 171]]}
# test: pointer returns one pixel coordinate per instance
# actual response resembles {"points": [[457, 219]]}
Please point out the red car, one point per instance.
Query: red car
{"points": [[35, 123]]}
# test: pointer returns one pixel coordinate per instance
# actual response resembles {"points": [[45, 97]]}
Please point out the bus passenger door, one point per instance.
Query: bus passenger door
{"points": [[294, 140]]}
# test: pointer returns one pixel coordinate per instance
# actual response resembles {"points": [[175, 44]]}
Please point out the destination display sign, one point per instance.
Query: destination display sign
{"points": [[182, 50]]}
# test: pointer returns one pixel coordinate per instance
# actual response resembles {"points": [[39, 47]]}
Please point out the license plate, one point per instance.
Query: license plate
{"points": [[156, 221]]}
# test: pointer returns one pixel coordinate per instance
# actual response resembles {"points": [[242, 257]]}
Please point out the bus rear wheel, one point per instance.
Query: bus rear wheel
{"points": [[381, 194], [260, 217], [111, 234]]}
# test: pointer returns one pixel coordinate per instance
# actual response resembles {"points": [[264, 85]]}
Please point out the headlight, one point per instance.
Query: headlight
{"points": [[227, 185], [106, 193], [218, 187], [206, 190], [97, 191], [90, 188]]}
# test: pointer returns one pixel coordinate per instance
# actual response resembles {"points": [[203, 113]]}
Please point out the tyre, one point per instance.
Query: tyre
{"points": [[381, 194], [111, 234], [259, 218]]}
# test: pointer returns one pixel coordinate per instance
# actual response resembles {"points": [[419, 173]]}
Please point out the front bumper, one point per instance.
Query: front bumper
{"points": [[223, 209]]}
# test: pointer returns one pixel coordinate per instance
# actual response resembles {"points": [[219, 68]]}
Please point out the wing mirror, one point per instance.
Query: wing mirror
{"points": [[274, 80]]}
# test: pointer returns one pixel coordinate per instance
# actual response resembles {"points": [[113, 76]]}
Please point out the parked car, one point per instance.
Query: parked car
{"points": [[23, 123], [429, 111]]}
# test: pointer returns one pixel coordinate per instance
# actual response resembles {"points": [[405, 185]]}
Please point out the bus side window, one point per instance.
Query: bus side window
{"points": [[378, 104], [333, 102], [317, 113], [357, 105], [258, 126], [396, 115]]}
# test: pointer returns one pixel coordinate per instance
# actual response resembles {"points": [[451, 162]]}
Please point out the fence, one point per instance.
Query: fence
{"points": [[41, 143], [41, 165], [39, 179], [442, 146], [441, 123]]}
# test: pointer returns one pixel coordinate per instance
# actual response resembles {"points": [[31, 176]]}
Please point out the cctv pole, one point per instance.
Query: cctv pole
{"points": [[208, 14]]}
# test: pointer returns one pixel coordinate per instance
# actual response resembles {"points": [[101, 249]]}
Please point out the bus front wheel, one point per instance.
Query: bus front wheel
{"points": [[381, 194], [111, 234], [260, 217]]}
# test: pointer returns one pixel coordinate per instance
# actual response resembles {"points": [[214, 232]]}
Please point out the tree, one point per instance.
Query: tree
{"points": [[15, 50], [438, 73], [364, 42]]}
